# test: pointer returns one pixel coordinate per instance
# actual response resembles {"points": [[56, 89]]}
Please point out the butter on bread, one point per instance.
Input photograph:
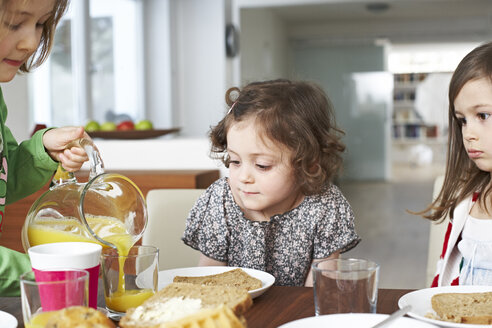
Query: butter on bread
{"points": [[470, 308], [234, 278], [79, 317], [178, 301]]}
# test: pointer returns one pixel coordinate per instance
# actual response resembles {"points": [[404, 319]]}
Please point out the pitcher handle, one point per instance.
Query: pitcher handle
{"points": [[96, 163]]}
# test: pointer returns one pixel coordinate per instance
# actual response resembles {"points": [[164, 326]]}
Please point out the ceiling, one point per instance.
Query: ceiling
{"points": [[397, 9], [402, 21]]}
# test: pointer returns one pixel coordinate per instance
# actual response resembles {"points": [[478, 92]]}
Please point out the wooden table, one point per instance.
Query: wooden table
{"points": [[277, 306]]}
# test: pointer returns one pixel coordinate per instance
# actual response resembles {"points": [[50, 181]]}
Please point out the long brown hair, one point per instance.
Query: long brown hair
{"points": [[47, 36], [297, 115], [462, 177]]}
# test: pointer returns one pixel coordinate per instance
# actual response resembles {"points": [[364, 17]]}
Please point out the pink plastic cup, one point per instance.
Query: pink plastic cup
{"points": [[53, 290], [51, 261]]}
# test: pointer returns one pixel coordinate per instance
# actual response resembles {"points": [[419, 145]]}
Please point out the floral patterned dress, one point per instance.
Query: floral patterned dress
{"points": [[285, 246]]}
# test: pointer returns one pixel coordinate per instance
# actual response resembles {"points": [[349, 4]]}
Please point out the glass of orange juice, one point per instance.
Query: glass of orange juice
{"points": [[129, 279], [51, 292]]}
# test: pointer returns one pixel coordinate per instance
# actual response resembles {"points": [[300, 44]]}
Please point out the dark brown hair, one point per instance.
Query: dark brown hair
{"points": [[298, 116], [462, 177], [47, 36]]}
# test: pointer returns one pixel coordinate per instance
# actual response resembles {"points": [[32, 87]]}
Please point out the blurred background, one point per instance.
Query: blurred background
{"points": [[384, 64]]}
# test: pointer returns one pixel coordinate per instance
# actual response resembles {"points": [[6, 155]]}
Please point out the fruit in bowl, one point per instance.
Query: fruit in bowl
{"points": [[108, 126], [92, 126], [144, 125], [125, 126]]}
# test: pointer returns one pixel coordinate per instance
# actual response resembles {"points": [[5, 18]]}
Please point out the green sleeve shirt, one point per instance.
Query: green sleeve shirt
{"points": [[24, 169]]}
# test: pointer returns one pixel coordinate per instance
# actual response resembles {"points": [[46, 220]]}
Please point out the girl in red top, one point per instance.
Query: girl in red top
{"points": [[466, 196]]}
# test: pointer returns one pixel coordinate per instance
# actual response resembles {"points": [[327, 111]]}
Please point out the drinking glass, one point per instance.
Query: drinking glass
{"points": [[44, 294], [345, 286], [129, 279]]}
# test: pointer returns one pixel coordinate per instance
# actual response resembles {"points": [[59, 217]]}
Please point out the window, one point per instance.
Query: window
{"points": [[430, 57], [98, 79]]}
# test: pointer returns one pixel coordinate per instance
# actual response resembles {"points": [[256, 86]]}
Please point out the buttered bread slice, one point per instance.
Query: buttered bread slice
{"points": [[472, 308], [234, 278], [180, 300]]}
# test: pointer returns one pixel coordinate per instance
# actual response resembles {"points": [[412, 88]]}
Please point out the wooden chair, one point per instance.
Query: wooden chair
{"points": [[167, 213]]}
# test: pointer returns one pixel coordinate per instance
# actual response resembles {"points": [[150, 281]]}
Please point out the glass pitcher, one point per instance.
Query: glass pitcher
{"points": [[109, 209]]}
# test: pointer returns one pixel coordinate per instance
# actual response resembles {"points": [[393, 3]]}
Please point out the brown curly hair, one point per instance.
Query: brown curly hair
{"points": [[296, 114], [47, 36]]}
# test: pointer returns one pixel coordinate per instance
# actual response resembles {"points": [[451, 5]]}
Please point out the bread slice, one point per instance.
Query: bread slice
{"points": [[180, 300], [472, 308], [234, 278]]}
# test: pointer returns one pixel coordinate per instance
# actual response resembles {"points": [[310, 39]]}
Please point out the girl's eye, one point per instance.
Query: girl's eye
{"points": [[233, 162], [263, 167], [483, 116], [12, 27], [461, 121]]}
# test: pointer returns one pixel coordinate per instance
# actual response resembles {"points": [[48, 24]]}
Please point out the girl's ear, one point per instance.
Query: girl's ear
{"points": [[314, 168]]}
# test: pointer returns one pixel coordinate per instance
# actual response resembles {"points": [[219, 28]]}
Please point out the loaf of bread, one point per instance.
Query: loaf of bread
{"points": [[180, 300], [79, 317], [471, 308], [234, 278]]}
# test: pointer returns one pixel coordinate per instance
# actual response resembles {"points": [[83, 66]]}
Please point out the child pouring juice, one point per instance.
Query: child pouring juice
{"points": [[27, 29]]}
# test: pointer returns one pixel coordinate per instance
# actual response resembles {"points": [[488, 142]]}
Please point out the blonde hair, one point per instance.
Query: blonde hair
{"points": [[47, 36]]}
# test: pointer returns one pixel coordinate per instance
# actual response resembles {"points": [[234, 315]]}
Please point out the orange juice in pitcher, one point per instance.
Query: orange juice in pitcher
{"points": [[109, 210]]}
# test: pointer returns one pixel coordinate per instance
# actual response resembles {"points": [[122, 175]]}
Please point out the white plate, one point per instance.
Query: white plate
{"points": [[166, 277], [420, 300], [359, 320], [7, 320]]}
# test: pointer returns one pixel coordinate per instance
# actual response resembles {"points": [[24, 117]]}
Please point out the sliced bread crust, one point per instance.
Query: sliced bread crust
{"points": [[474, 308], [236, 299], [234, 278]]}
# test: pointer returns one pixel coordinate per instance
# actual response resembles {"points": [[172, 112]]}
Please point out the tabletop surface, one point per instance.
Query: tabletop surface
{"points": [[276, 306]]}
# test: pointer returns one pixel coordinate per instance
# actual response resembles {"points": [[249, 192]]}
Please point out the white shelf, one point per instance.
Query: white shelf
{"points": [[403, 104], [420, 140], [406, 85]]}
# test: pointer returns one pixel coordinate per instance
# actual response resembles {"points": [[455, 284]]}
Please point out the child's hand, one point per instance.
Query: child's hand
{"points": [[56, 140]]}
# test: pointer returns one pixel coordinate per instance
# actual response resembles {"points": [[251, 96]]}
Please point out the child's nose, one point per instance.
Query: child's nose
{"points": [[30, 40], [469, 133], [245, 174]]}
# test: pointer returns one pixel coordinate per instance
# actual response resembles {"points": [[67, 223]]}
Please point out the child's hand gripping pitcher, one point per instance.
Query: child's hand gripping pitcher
{"points": [[109, 210]]}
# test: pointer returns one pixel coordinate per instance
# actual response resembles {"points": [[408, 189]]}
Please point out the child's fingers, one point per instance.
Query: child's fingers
{"points": [[69, 165], [72, 157], [76, 152], [72, 162]]}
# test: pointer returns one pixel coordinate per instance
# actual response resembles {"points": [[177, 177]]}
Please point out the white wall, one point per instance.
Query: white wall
{"points": [[264, 46], [199, 71], [15, 94], [157, 54]]}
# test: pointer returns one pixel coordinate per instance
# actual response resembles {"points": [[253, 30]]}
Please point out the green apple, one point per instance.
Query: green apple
{"points": [[144, 125], [92, 126], [108, 126]]}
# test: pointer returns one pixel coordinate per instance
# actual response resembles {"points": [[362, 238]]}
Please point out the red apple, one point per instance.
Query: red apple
{"points": [[125, 126]]}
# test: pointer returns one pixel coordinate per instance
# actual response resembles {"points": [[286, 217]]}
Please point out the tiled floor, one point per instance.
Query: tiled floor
{"points": [[391, 236]]}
